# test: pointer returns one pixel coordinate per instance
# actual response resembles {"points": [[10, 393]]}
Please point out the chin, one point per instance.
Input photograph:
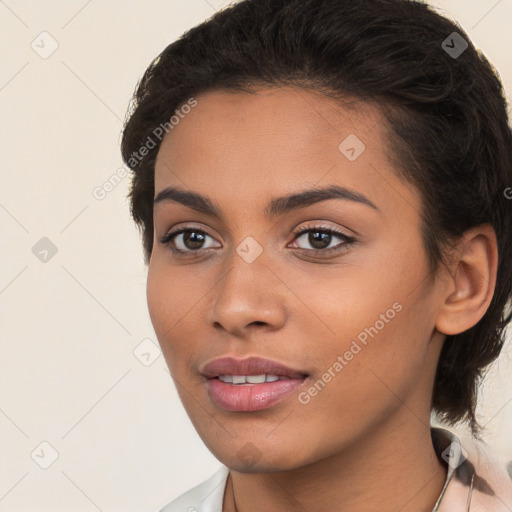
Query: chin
{"points": [[261, 466], [249, 459]]}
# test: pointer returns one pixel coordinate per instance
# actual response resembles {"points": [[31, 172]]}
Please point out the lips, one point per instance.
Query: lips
{"points": [[250, 384], [249, 366]]}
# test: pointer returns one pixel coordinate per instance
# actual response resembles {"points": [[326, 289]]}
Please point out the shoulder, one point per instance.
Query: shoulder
{"points": [[494, 493], [204, 497], [477, 479]]}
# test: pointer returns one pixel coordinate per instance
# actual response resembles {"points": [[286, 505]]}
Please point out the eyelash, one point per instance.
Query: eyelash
{"points": [[168, 238]]}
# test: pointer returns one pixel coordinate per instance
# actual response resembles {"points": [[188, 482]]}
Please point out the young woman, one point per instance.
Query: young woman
{"points": [[323, 188]]}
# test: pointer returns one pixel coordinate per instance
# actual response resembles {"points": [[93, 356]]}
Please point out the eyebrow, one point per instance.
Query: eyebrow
{"points": [[276, 206]]}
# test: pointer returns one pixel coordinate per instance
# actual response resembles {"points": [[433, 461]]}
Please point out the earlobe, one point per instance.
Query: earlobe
{"points": [[471, 286]]}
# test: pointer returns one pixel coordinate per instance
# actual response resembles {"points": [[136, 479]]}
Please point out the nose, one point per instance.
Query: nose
{"points": [[250, 297]]}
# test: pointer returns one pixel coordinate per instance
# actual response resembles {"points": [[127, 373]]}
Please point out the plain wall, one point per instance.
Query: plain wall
{"points": [[69, 326]]}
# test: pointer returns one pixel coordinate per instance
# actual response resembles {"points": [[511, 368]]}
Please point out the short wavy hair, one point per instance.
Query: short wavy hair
{"points": [[446, 117]]}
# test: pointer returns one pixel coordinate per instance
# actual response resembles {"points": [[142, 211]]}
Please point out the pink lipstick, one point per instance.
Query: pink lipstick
{"points": [[250, 384]]}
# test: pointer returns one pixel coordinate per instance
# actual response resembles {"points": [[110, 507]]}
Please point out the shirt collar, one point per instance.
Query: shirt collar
{"points": [[449, 451]]}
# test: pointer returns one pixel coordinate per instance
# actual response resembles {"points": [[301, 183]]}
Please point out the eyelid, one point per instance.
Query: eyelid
{"points": [[190, 225], [320, 227]]}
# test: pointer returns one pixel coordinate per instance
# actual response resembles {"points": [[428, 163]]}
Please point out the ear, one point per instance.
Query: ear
{"points": [[470, 287]]}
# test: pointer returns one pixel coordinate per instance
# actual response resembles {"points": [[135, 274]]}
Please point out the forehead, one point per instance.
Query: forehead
{"points": [[284, 120], [274, 141]]}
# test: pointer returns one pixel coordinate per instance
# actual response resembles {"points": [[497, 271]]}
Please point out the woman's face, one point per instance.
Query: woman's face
{"points": [[352, 311]]}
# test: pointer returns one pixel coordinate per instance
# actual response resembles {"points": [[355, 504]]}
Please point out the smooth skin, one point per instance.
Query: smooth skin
{"points": [[363, 442]]}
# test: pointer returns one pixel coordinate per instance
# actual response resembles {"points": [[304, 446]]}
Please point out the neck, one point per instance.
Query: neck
{"points": [[393, 468]]}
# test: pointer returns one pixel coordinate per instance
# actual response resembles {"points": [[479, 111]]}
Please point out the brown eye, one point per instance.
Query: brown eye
{"points": [[320, 238], [186, 240]]}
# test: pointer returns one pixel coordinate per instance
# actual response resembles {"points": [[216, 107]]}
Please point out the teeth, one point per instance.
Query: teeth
{"points": [[250, 379], [255, 379]]}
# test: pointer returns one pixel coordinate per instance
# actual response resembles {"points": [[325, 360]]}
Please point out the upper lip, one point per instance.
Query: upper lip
{"points": [[248, 366]]}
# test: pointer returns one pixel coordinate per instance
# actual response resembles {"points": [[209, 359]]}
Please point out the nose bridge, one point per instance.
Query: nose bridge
{"points": [[249, 292]]}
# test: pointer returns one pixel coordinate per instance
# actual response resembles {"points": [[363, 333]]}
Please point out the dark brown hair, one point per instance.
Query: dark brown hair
{"points": [[443, 102]]}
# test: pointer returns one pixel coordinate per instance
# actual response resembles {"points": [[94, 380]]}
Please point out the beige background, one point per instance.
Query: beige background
{"points": [[72, 375]]}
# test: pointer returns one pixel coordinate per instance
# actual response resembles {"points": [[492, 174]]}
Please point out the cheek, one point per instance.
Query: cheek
{"points": [[341, 304], [171, 308], [160, 301], [379, 324], [383, 358]]}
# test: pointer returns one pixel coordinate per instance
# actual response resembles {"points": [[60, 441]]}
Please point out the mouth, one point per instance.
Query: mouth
{"points": [[250, 384], [249, 367], [251, 379]]}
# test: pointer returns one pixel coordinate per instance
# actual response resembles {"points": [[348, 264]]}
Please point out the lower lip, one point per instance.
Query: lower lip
{"points": [[251, 397]]}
